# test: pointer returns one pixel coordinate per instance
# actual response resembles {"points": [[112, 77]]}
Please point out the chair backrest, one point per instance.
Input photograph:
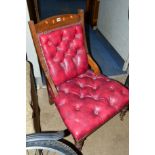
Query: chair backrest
{"points": [[61, 47]]}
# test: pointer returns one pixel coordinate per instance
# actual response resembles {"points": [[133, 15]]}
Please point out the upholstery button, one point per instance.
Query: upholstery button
{"points": [[111, 101], [77, 51], [77, 36], [111, 88], [77, 107], [94, 78], [103, 99], [74, 60], [123, 92], [96, 110], [61, 103], [81, 96], [58, 48], [95, 97], [62, 65], [49, 43], [66, 91], [69, 81], [64, 38], [57, 88], [81, 85], [76, 120], [94, 87]]}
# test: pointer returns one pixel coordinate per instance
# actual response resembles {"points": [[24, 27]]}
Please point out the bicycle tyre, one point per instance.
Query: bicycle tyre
{"points": [[50, 145]]}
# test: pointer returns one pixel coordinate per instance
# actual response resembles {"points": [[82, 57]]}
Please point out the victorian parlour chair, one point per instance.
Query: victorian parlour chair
{"points": [[84, 97]]}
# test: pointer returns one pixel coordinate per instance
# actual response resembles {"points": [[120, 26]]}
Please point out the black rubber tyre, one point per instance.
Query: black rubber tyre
{"points": [[50, 145]]}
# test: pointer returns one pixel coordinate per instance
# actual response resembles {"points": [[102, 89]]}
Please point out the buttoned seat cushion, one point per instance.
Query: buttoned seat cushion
{"points": [[88, 101]]}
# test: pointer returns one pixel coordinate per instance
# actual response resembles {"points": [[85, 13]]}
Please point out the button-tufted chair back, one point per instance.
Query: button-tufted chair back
{"points": [[64, 52]]}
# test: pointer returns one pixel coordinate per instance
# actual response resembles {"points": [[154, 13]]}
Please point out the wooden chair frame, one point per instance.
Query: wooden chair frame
{"points": [[51, 24]]}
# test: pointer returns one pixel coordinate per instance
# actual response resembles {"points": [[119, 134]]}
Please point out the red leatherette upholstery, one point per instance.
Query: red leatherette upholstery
{"points": [[64, 52], [85, 101], [88, 101]]}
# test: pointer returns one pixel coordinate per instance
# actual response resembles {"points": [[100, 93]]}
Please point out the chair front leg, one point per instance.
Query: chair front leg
{"points": [[79, 144], [123, 113]]}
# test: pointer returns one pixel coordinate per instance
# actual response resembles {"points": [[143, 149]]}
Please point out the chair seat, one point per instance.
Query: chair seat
{"points": [[88, 101]]}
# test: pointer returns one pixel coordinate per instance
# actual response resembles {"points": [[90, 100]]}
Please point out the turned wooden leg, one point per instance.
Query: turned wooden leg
{"points": [[123, 113], [79, 144]]}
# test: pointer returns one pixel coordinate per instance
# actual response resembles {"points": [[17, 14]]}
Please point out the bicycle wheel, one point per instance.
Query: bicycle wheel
{"points": [[48, 147]]}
